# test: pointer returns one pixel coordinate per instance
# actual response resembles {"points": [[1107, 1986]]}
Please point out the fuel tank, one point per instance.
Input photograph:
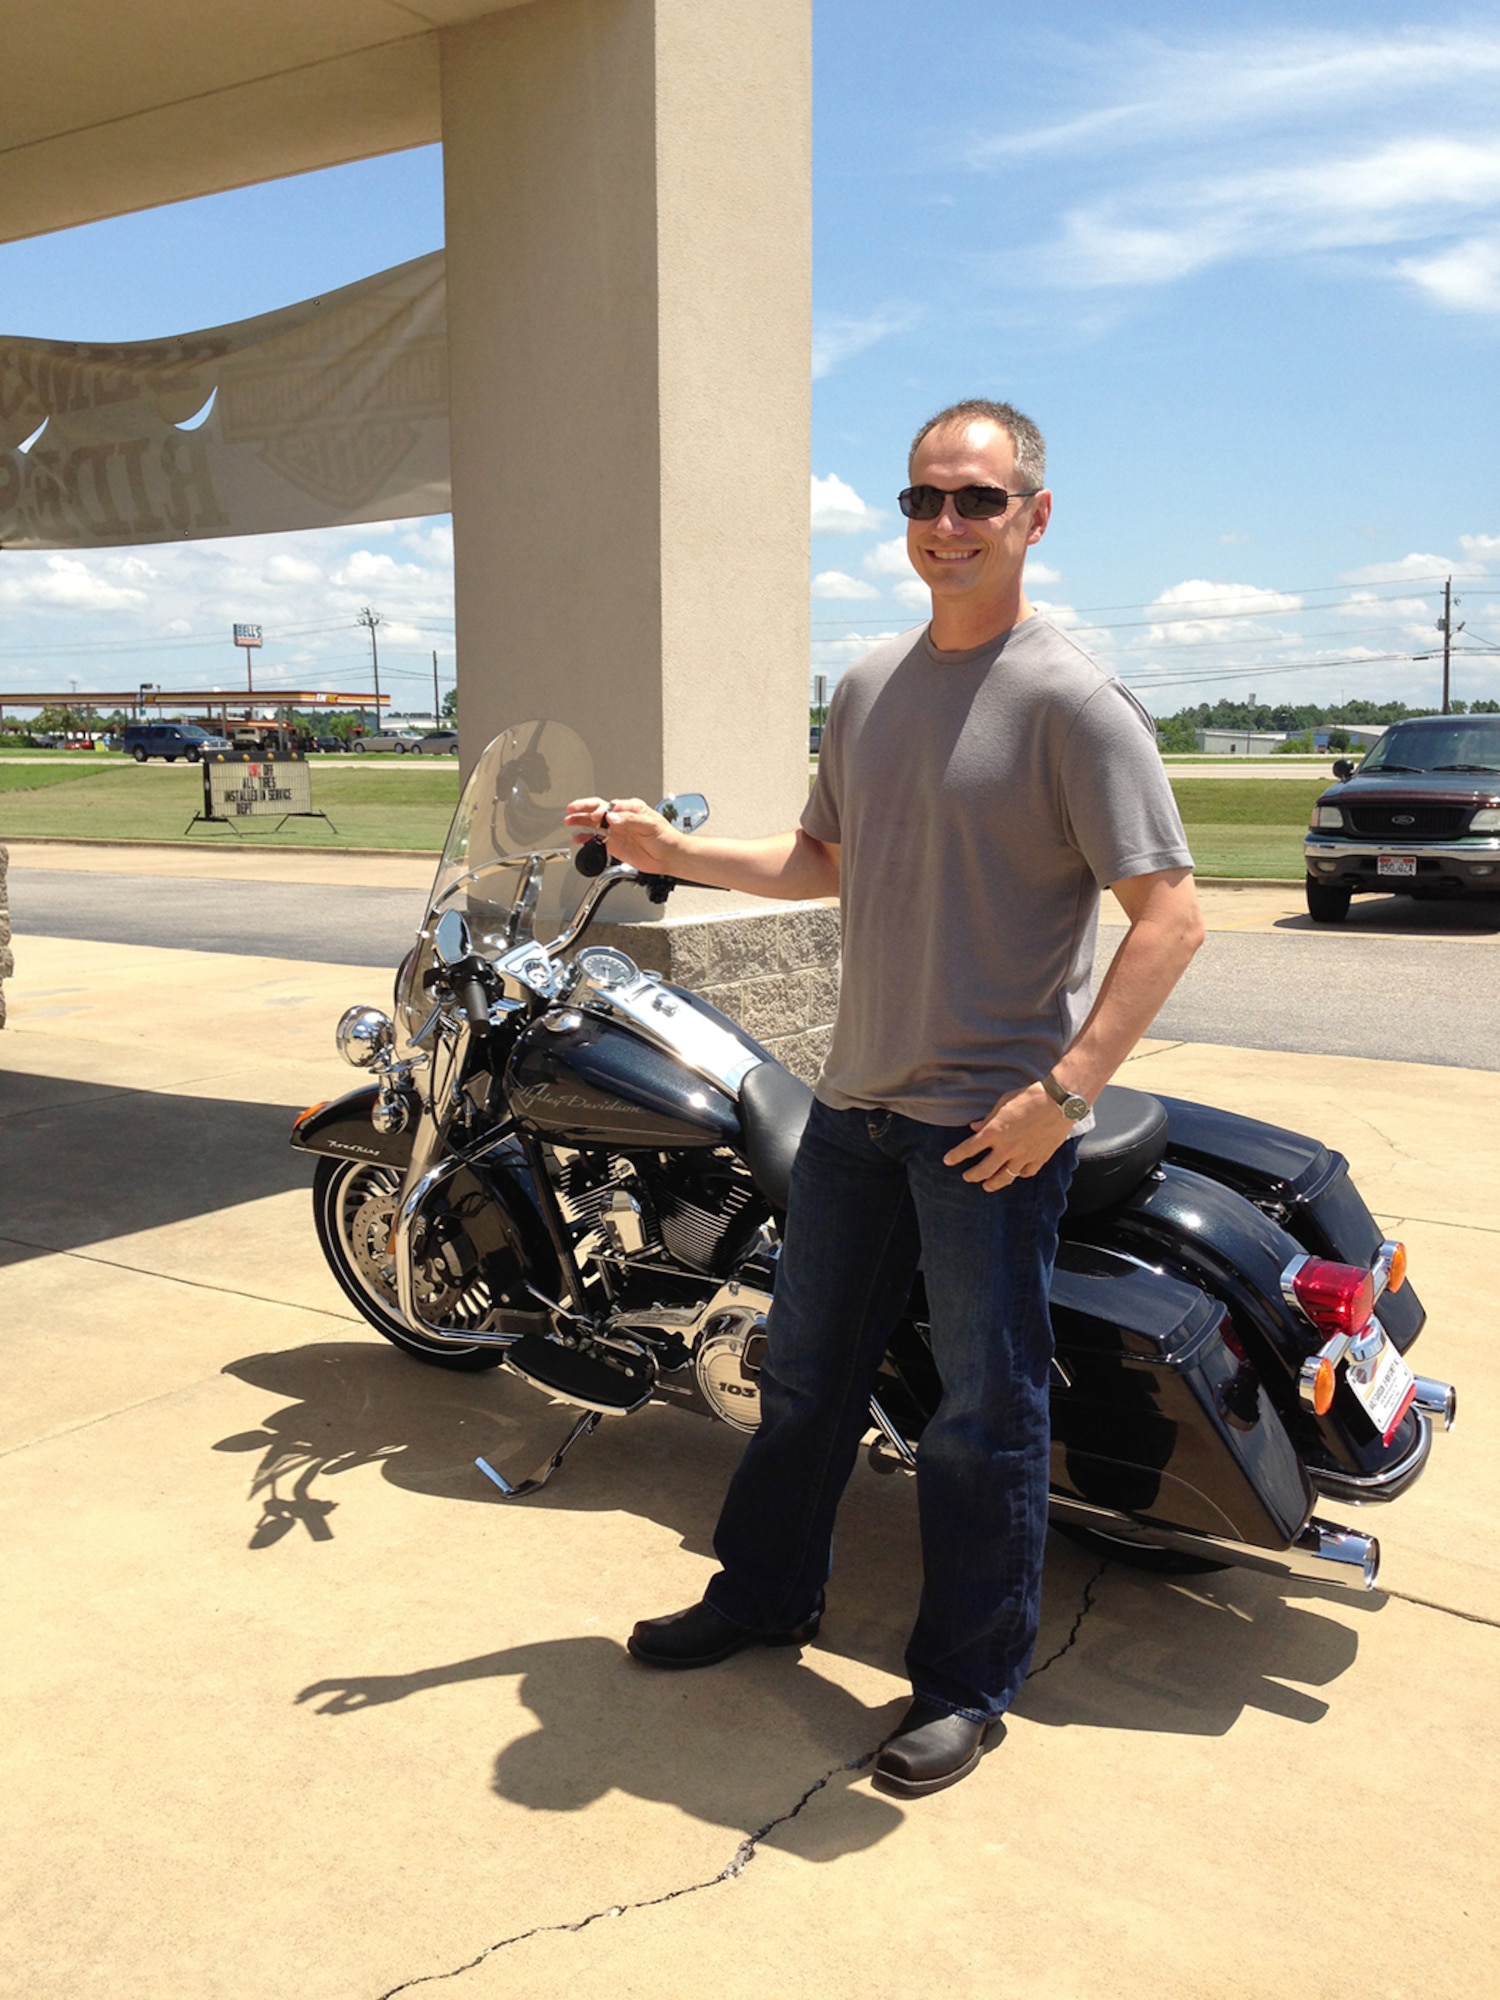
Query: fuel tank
{"points": [[587, 1081]]}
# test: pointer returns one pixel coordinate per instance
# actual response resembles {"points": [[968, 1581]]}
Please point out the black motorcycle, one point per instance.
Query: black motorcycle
{"points": [[573, 1169]]}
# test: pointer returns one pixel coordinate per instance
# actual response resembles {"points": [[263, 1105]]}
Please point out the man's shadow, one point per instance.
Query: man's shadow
{"points": [[735, 1748]]}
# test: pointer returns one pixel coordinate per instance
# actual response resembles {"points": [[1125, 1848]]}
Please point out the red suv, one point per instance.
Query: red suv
{"points": [[1420, 816]]}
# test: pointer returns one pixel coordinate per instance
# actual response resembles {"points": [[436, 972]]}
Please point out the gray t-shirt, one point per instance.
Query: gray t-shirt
{"points": [[981, 800]]}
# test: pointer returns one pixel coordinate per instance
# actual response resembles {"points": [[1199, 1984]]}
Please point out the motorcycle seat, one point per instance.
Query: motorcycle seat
{"points": [[773, 1111], [1128, 1139]]}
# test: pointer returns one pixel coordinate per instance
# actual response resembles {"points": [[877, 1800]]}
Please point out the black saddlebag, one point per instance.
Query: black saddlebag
{"points": [[1154, 1415]]}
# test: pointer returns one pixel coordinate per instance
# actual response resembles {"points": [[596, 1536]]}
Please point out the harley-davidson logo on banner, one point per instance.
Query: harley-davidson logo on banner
{"points": [[322, 414]]}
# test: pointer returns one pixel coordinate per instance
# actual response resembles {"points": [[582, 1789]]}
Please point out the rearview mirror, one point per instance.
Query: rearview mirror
{"points": [[685, 810], [451, 939], [1343, 768]]}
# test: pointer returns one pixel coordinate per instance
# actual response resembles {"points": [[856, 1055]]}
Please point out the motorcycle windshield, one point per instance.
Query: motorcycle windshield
{"points": [[510, 814]]}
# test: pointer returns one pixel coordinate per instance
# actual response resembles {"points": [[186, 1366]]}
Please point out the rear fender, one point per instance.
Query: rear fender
{"points": [[1189, 1226], [1296, 1181]]}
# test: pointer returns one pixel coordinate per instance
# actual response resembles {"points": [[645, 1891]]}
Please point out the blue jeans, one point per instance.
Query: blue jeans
{"points": [[869, 1197]]}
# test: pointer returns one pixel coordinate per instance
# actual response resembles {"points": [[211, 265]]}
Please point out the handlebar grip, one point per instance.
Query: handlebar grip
{"points": [[468, 991], [592, 857]]}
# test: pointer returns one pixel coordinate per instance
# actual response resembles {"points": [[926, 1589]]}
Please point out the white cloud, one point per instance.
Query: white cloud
{"points": [[1480, 545], [838, 510], [839, 337], [1174, 93], [889, 559], [913, 593], [1209, 611], [166, 611], [1403, 191], [832, 655], [1233, 540], [1041, 572], [1362, 603], [1465, 277], [837, 583], [1412, 568], [66, 582]]}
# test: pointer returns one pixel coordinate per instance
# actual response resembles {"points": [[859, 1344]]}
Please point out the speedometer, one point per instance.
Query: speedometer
{"points": [[605, 968]]}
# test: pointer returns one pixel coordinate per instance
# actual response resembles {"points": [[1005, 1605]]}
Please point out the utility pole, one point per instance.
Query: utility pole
{"points": [[1449, 630], [437, 713], [371, 619]]}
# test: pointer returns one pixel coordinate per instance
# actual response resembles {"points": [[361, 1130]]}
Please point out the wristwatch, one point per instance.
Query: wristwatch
{"points": [[1072, 1106]]}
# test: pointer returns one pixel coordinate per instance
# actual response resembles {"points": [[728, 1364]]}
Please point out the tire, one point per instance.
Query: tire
{"points": [[194, 756], [359, 748], [354, 1199], [1326, 903], [1137, 1555], [139, 754]]}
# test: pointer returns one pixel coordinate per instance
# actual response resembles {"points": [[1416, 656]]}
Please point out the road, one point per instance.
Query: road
{"points": [[1432, 998]]}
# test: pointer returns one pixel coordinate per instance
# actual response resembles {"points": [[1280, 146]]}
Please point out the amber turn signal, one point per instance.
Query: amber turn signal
{"points": [[1397, 1276]]}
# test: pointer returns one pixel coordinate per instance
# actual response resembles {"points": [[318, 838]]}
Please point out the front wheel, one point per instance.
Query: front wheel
{"points": [[139, 754], [354, 1206], [1326, 902]]}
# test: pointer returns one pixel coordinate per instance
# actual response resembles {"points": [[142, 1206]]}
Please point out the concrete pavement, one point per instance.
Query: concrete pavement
{"points": [[300, 1708]]}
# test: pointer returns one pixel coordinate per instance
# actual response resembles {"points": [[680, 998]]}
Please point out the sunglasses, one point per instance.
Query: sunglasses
{"points": [[971, 503]]}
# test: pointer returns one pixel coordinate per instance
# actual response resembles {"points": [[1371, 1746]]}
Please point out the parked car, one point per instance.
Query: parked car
{"points": [[171, 740], [399, 740], [1420, 817], [437, 743], [815, 739], [44, 739], [329, 743]]}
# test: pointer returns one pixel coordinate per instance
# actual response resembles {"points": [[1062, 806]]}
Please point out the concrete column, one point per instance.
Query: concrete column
{"points": [[628, 221]]}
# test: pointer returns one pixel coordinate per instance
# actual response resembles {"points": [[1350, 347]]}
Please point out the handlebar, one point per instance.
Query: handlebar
{"points": [[468, 991]]}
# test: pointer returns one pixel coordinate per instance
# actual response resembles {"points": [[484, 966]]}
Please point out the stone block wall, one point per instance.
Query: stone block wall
{"points": [[7, 962], [774, 971]]}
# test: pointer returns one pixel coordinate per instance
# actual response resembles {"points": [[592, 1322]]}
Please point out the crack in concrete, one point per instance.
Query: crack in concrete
{"points": [[1448, 1610], [743, 1855], [1084, 1608]]}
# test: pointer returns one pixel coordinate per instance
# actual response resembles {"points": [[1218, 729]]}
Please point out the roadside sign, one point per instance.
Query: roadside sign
{"points": [[247, 635], [241, 788]]}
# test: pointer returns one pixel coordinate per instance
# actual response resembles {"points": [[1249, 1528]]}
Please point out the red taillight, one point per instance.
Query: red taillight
{"points": [[1337, 1298]]}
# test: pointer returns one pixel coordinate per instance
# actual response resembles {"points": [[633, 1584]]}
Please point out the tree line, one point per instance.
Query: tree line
{"points": [[1297, 719]]}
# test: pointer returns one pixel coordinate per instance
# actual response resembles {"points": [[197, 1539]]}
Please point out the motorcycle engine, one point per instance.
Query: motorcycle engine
{"points": [[728, 1360]]}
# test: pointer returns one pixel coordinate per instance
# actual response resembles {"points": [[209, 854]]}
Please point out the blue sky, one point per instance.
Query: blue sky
{"points": [[1241, 264]]}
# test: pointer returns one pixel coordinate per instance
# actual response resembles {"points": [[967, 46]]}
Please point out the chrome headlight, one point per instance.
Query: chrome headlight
{"points": [[1326, 816], [364, 1036]]}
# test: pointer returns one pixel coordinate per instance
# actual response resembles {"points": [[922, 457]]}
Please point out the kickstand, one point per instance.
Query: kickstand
{"points": [[586, 1425]]}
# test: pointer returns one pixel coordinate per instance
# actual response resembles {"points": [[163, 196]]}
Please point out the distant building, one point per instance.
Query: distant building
{"points": [[1360, 735], [1240, 742]]}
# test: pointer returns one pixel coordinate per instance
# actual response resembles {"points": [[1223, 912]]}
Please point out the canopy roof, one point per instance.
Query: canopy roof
{"points": [[117, 105]]}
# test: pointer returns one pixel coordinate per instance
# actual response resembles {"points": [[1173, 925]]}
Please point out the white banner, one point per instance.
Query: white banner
{"points": [[325, 413]]}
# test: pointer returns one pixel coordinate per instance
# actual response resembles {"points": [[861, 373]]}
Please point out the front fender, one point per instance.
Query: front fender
{"points": [[342, 1128]]}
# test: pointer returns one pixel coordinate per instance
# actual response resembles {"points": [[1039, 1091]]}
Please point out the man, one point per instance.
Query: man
{"points": [[979, 781]]}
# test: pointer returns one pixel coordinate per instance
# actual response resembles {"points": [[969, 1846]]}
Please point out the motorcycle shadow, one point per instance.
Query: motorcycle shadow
{"points": [[1118, 1649]]}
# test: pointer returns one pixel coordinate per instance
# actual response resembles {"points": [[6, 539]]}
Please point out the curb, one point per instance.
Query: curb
{"points": [[215, 847]]}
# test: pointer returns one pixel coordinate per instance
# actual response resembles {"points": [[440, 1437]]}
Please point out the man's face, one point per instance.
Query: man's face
{"points": [[972, 561]]}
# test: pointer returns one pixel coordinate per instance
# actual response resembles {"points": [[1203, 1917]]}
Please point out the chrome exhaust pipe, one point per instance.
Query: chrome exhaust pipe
{"points": [[1326, 1542], [1438, 1402]]}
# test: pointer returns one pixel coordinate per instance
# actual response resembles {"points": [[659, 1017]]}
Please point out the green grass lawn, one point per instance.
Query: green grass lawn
{"points": [[1235, 826], [1248, 826], [371, 805]]}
